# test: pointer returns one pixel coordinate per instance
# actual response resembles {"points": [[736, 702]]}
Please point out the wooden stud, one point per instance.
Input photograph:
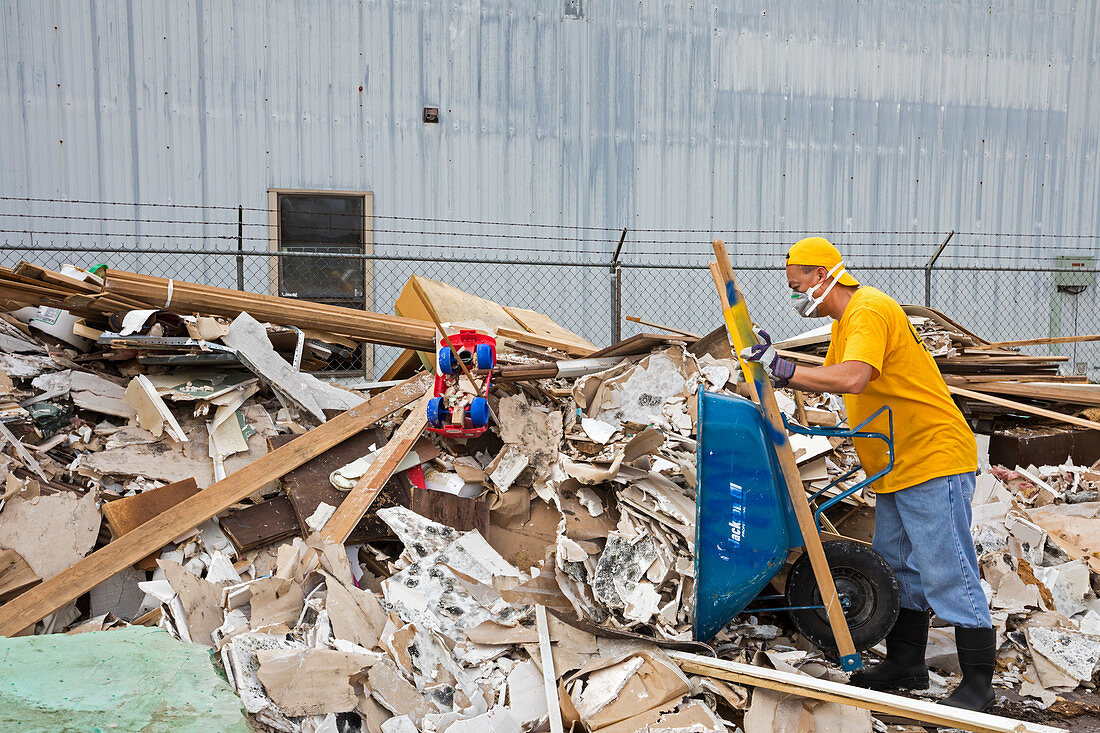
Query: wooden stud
{"points": [[804, 685], [739, 326], [360, 498], [661, 327], [549, 676]]}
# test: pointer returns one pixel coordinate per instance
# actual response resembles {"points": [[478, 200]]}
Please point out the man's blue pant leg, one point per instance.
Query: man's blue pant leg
{"points": [[926, 532]]}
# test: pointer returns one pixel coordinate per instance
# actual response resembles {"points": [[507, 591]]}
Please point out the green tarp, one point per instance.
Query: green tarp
{"points": [[133, 679]]}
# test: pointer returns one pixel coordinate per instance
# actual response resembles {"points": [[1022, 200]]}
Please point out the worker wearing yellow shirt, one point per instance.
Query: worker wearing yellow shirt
{"points": [[922, 507]]}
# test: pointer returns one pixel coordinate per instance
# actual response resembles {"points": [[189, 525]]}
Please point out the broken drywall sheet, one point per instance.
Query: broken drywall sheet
{"points": [[1068, 584], [621, 564], [50, 532], [152, 412], [527, 693], [1074, 653], [779, 712], [531, 434], [597, 430], [640, 394], [356, 615], [24, 366], [507, 466], [389, 687], [249, 338], [99, 394], [200, 599], [420, 536], [310, 681], [624, 693], [432, 592], [241, 665]]}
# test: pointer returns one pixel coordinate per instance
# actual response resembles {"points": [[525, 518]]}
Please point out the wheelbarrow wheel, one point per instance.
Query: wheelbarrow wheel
{"points": [[867, 588]]}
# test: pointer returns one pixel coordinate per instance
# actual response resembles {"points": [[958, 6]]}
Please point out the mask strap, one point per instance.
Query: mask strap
{"points": [[817, 300]]}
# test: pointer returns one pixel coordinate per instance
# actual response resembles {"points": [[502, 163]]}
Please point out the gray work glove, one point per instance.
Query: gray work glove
{"points": [[778, 369]]}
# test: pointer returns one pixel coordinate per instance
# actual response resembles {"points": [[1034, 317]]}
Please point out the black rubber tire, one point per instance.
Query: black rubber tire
{"points": [[863, 578]]}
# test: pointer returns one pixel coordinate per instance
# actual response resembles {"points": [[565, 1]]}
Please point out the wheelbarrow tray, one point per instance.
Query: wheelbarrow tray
{"points": [[745, 526]]}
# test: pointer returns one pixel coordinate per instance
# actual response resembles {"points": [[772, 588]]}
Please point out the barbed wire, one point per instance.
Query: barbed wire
{"points": [[714, 229]]}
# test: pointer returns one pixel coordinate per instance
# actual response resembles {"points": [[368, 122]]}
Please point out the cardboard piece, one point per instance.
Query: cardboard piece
{"points": [[200, 598]]}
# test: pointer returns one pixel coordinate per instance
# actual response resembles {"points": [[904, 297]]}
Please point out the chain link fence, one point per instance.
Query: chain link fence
{"points": [[1001, 287]]}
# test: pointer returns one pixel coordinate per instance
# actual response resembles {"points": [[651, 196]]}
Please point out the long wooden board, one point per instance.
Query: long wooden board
{"points": [[1021, 407], [739, 326], [551, 342], [359, 499], [1074, 394], [191, 297], [1047, 340], [879, 702], [89, 572]]}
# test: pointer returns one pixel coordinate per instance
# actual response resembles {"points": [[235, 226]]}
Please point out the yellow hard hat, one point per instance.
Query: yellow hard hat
{"points": [[819, 252]]}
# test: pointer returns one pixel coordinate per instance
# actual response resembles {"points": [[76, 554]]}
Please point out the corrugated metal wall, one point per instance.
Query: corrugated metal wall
{"points": [[823, 114]]}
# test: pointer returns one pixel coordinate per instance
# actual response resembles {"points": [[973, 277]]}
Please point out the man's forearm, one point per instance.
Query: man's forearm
{"points": [[845, 378]]}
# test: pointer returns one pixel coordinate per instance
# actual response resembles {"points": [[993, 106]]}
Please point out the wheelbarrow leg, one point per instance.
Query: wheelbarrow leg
{"points": [[739, 326]]}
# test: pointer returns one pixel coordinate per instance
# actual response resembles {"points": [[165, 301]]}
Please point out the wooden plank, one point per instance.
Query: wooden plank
{"points": [[359, 499], [549, 676], [260, 524], [459, 512], [804, 685], [130, 512], [308, 485], [1021, 407], [1075, 394], [641, 343], [1047, 340], [543, 325], [69, 585], [15, 574], [739, 326], [191, 297], [569, 347], [661, 327]]}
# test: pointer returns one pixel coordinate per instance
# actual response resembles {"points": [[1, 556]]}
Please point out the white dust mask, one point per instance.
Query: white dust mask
{"points": [[805, 304]]}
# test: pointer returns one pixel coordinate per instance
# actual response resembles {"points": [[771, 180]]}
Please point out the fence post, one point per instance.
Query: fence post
{"points": [[240, 247], [928, 271], [617, 292]]}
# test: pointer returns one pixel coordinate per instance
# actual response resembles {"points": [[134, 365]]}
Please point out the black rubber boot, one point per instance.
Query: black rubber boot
{"points": [[977, 657], [904, 666]]}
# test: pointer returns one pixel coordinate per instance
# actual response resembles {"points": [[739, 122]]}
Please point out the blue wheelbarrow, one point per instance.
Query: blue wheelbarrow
{"points": [[745, 531]]}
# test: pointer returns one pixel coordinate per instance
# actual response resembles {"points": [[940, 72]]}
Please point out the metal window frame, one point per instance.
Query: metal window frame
{"points": [[274, 246]]}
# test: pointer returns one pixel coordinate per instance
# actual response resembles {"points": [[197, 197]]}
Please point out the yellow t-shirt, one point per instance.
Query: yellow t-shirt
{"points": [[931, 438]]}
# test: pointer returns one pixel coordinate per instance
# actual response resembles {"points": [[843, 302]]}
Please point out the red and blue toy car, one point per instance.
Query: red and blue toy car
{"points": [[454, 411]]}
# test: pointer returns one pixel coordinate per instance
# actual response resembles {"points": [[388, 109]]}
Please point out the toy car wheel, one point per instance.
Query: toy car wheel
{"points": [[867, 588], [479, 412], [436, 411], [447, 362], [485, 356]]}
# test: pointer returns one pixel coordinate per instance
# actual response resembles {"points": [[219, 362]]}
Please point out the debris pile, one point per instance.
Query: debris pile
{"points": [[356, 572]]}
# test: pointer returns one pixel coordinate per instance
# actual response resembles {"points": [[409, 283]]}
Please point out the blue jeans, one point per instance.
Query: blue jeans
{"points": [[923, 533]]}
